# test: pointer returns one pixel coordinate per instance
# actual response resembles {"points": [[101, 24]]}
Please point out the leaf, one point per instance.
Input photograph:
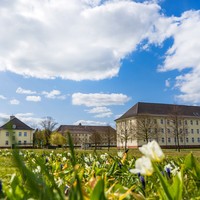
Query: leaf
{"points": [[98, 192]]}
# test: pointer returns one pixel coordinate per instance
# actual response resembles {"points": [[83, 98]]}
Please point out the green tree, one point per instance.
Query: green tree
{"points": [[57, 139]]}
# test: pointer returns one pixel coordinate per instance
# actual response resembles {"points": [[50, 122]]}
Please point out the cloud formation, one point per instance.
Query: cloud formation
{"points": [[24, 91], [100, 112], [2, 97], [33, 98], [14, 102], [99, 99], [54, 94], [91, 123], [76, 39]]}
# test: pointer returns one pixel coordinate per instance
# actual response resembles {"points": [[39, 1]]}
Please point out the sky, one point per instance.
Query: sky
{"points": [[89, 61]]}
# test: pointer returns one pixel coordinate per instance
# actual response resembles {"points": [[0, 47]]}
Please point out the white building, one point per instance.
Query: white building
{"points": [[173, 124]]}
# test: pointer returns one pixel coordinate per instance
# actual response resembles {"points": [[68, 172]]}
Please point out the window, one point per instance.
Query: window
{"points": [[7, 134], [181, 130], [181, 140], [25, 134], [187, 140], [197, 122], [24, 141], [161, 121], [186, 130], [191, 122], [185, 122], [192, 131], [198, 139], [168, 122], [198, 131], [156, 130], [193, 140], [162, 130], [6, 142], [169, 140], [168, 130], [179, 122], [20, 134], [163, 140], [19, 142]]}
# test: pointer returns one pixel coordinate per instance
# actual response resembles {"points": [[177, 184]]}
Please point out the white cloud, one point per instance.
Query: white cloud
{"points": [[54, 94], [99, 99], [100, 112], [76, 39], [184, 56], [24, 91], [14, 102], [2, 97], [91, 123], [33, 98], [167, 82]]}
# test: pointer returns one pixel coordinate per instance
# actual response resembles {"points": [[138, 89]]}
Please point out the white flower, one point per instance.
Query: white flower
{"points": [[120, 154], [64, 159], [168, 166], [153, 151], [175, 171], [143, 166]]}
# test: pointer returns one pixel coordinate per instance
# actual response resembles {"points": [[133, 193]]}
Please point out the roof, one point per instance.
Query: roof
{"points": [[161, 109], [16, 124], [84, 129]]}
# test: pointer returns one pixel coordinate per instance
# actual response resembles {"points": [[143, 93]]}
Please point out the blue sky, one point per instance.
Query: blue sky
{"points": [[89, 61]]}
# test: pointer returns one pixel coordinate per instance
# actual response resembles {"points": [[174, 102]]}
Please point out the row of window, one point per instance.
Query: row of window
{"points": [[169, 140], [19, 134], [180, 122], [192, 131], [19, 142]]}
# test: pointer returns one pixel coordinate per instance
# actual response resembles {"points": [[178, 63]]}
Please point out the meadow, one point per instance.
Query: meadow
{"points": [[100, 175]]}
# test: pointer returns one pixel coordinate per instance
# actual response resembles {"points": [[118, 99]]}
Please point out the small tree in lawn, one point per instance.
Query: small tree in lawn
{"points": [[57, 139], [39, 138], [48, 125]]}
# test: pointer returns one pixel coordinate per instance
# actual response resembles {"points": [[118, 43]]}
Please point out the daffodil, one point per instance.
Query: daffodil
{"points": [[143, 166], [153, 151]]}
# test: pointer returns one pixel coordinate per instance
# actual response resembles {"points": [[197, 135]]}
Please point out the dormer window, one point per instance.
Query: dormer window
{"points": [[14, 126]]}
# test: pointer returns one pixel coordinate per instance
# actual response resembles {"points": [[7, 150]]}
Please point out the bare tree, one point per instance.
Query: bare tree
{"points": [[48, 125], [146, 128], [176, 123], [110, 136], [95, 138], [124, 137]]}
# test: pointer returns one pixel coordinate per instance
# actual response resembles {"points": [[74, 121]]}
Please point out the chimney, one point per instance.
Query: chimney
{"points": [[12, 117]]}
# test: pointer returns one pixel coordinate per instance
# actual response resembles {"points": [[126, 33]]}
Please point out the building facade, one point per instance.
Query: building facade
{"points": [[90, 136], [170, 125], [15, 132]]}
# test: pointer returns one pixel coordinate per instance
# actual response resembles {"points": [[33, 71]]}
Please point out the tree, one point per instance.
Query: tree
{"points": [[39, 138], [146, 129], [176, 123], [57, 139], [48, 125], [110, 136], [95, 138], [124, 137]]}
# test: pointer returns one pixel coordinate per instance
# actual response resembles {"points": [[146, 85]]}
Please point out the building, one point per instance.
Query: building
{"points": [[171, 125], [16, 132], [88, 136]]}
